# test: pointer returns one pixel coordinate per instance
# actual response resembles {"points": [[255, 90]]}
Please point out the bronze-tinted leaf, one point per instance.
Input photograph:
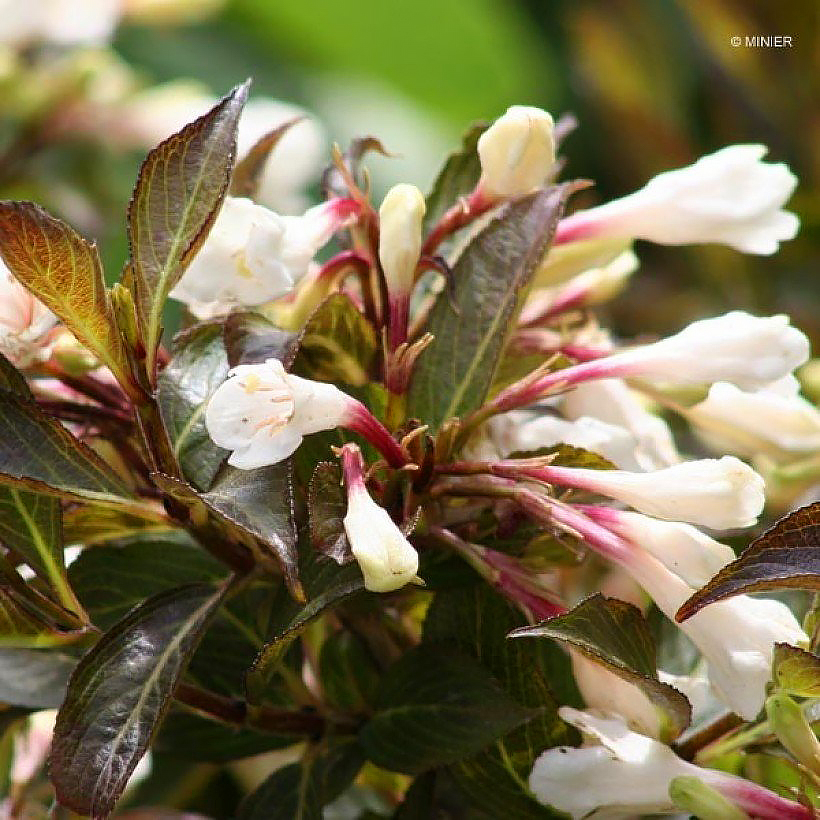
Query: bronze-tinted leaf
{"points": [[785, 556], [179, 192], [245, 180], [64, 271], [614, 634], [250, 338], [327, 505], [119, 693]]}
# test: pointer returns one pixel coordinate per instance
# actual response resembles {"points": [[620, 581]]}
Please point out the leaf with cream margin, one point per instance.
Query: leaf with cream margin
{"points": [[179, 191], [119, 693], [786, 556], [615, 634], [471, 329], [64, 271]]}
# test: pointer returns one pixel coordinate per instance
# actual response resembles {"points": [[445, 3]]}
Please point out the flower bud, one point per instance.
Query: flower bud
{"points": [[729, 197], [517, 153], [400, 220], [261, 413], [747, 423], [253, 255], [26, 324], [695, 797], [789, 723]]}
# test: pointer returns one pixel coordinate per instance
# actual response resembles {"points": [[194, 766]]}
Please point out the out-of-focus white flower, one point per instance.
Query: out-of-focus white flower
{"points": [[715, 493], [400, 222], [153, 115], [261, 413], [730, 197], [736, 636], [747, 423], [387, 559], [614, 403], [517, 153], [623, 774], [65, 22], [748, 351], [170, 11], [253, 255], [26, 324], [682, 548]]}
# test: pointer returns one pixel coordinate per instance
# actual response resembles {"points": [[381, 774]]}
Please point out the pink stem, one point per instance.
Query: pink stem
{"points": [[398, 316], [353, 468], [362, 421], [461, 214], [756, 800], [575, 227]]}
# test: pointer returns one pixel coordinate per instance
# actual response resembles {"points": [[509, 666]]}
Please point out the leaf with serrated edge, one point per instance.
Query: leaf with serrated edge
{"points": [[245, 180], [490, 278], [198, 367], [327, 506], [34, 678], [38, 453], [437, 706], [64, 271], [786, 556], [796, 670], [119, 693], [179, 192], [614, 634]]}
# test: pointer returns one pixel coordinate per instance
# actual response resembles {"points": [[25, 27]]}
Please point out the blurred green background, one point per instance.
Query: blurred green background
{"points": [[654, 84]]}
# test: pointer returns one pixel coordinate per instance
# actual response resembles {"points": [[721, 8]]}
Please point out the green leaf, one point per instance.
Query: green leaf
{"points": [[250, 338], [178, 194], [251, 506], [348, 672], [477, 620], [199, 365], [326, 585], [614, 634], [245, 180], [38, 453], [785, 556], [457, 178], [338, 344], [300, 790], [119, 693], [490, 277], [64, 271], [20, 624], [86, 524], [34, 678], [190, 737], [796, 671], [437, 706], [327, 506]]}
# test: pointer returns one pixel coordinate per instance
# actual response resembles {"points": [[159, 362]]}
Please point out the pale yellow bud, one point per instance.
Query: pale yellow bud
{"points": [[400, 226]]}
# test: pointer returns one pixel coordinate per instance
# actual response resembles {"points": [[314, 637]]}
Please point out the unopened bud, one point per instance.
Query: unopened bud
{"points": [[517, 153], [694, 796], [400, 223]]}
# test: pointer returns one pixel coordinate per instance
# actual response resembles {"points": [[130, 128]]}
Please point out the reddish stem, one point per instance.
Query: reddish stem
{"points": [[362, 421], [461, 214]]}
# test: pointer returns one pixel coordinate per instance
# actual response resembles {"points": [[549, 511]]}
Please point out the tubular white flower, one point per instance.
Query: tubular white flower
{"points": [[26, 324], [624, 774], [715, 493], [682, 548], [400, 223], [735, 636], [253, 255], [746, 423], [730, 197], [749, 351], [614, 403], [58, 21], [517, 153], [261, 413], [387, 559]]}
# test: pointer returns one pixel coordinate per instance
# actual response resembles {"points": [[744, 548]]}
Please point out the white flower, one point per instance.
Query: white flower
{"points": [[26, 324], [748, 351], [611, 401], [170, 11], [400, 223], [625, 772], [261, 413], [387, 559], [682, 548], [253, 255], [730, 197], [517, 153], [747, 423], [65, 22], [736, 636], [716, 493]]}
